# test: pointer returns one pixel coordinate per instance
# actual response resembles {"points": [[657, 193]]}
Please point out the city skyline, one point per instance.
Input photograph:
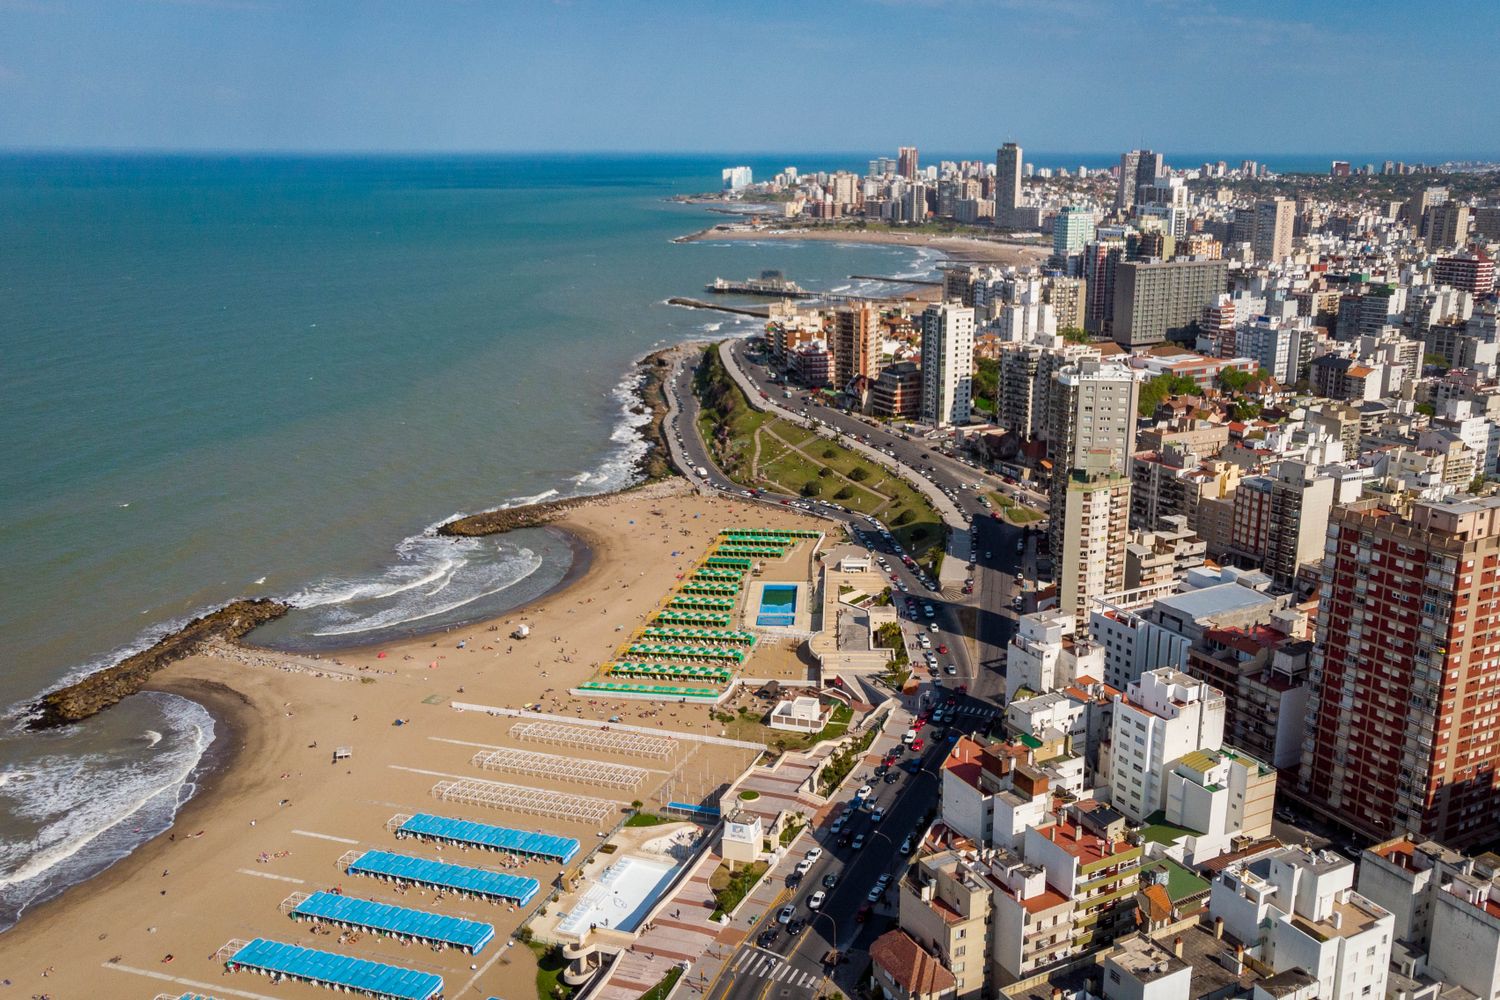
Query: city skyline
{"points": [[260, 76]]}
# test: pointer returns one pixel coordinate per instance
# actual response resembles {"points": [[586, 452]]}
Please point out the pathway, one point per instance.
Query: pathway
{"points": [[573, 720]]}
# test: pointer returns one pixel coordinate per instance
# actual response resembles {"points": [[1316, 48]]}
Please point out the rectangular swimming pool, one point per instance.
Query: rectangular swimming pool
{"points": [[778, 604]]}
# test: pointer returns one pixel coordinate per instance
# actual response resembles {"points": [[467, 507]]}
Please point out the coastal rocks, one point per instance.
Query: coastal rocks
{"points": [[99, 691], [494, 522]]}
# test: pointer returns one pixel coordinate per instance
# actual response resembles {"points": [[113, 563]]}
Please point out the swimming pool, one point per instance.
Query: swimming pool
{"points": [[622, 896], [778, 604]]}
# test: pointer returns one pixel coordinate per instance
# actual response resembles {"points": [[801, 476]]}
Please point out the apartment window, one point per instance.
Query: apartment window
{"points": [[963, 932], [959, 951], [1114, 975]]}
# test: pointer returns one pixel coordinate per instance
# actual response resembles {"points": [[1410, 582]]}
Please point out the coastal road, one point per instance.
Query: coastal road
{"points": [[682, 431], [792, 965]]}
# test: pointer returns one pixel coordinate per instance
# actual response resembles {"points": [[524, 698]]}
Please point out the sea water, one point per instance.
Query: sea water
{"points": [[229, 377]]}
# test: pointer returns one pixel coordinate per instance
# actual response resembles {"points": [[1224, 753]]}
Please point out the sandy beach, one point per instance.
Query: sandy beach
{"points": [[277, 812], [961, 248]]}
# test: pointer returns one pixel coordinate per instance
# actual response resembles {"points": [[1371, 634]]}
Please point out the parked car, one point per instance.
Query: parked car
{"points": [[816, 899], [786, 914]]}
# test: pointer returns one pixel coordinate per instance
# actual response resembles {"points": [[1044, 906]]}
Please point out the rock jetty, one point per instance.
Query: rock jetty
{"points": [[100, 690]]}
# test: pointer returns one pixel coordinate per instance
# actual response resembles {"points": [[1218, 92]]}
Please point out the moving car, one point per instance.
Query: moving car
{"points": [[816, 899], [786, 914], [859, 842], [830, 880]]}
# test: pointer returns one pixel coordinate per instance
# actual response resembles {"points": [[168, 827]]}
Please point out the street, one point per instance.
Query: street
{"points": [[975, 629]]}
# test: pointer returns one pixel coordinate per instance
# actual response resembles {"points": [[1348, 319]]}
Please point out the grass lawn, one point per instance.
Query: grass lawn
{"points": [[549, 966], [1015, 513], [753, 730], [664, 987], [648, 819], [731, 887], [866, 486], [1157, 829]]}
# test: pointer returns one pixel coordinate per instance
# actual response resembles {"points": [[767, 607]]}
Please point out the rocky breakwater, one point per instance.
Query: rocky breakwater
{"points": [[100, 690]]}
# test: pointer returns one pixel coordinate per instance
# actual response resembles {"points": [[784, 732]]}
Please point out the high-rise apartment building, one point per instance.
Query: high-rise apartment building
{"points": [[1164, 716], [1140, 169], [1091, 535], [1157, 300], [1068, 298], [1091, 435], [906, 162], [1447, 225], [1471, 271], [856, 345], [1280, 519], [1072, 230], [1007, 178], [1274, 222], [947, 363], [1405, 718], [1100, 266], [1130, 164], [736, 178]]}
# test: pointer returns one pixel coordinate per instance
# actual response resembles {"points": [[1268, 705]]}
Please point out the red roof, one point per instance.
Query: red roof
{"points": [[912, 968]]}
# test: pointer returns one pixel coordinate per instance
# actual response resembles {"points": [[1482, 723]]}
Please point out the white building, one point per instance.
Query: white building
{"points": [[736, 179], [947, 363], [1297, 909], [1163, 717], [1044, 655]]}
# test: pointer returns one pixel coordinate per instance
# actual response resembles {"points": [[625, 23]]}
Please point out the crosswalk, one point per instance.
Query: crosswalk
{"points": [[761, 964]]}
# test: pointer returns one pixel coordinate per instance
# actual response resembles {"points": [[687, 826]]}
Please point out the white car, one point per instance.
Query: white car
{"points": [[864, 790], [814, 854], [816, 899], [804, 866], [786, 914]]}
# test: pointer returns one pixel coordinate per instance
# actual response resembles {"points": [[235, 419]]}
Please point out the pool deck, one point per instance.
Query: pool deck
{"points": [[801, 622]]}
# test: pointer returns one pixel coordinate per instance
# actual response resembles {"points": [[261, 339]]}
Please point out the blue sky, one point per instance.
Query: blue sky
{"points": [[1361, 77]]}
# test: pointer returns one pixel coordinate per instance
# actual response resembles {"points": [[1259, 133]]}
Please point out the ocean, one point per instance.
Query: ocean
{"points": [[238, 376]]}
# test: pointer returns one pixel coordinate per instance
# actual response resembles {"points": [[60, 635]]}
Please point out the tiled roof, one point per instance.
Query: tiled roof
{"points": [[916, 971]]}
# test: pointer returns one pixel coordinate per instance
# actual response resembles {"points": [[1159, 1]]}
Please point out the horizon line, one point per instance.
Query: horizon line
{"points": [[1425, 157]]}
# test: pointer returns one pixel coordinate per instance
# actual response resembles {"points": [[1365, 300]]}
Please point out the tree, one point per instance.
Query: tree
{"points": [[859, 473], [905, 517], [1426, 409], [1235, 379], [1073, 335], [829, 453], [844, 494], [811, 488], [1155, 390], [986, 378]]}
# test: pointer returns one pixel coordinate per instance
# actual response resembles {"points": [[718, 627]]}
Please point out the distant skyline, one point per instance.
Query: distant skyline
{"points": [[1347, 80]]}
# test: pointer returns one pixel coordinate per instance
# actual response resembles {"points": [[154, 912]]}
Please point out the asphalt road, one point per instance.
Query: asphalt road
{"points": [[755, 970]]}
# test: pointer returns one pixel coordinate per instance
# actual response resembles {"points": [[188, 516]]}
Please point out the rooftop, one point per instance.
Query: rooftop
{"points": [[1219, 599], [1146, 960], [916, 971]]}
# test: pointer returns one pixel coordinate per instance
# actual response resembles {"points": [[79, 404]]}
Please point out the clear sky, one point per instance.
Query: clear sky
{"points": [[1356, 76]]}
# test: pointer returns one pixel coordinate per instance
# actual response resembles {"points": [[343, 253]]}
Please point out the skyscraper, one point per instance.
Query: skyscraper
{"points": [[1274, 221], [736, 178], [1404, 723], [947, 363], [1007, 178], [1130, 163], [1139, 170], [856, 345], [906, 162]]}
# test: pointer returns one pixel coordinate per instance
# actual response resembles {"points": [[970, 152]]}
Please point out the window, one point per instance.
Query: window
{"points": [[1114, 975]]}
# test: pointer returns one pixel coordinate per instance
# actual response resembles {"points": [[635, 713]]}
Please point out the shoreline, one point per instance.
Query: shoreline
{"points": [[957, 247], [276, 813], [234, 620]]}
